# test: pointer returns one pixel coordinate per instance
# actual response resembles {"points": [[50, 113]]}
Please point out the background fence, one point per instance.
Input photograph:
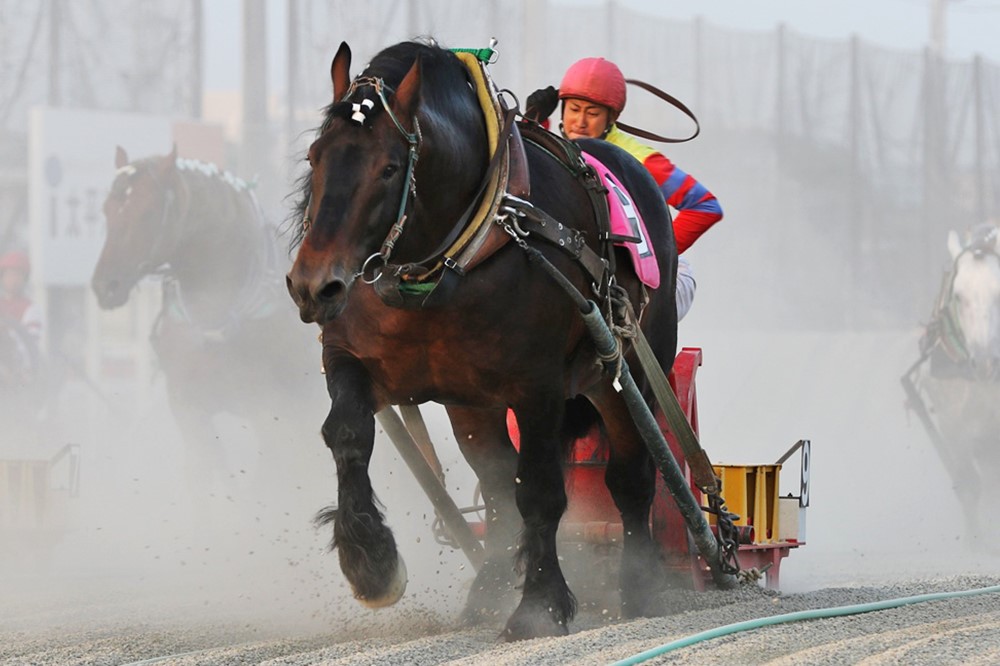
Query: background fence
{"points": [[841, 165]]}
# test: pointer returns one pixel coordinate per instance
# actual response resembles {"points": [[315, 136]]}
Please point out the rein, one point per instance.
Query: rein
{"points": [[670, 99]]}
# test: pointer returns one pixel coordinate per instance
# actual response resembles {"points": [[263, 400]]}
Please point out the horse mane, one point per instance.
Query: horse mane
{"points": [[982, 238], [391, 65]]}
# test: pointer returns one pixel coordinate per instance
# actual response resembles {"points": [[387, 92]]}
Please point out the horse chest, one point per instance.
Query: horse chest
{"points": [[417, 357]]}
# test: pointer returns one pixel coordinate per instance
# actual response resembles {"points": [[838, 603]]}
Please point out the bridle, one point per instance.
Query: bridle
{"points": [[952, 338], [376, 263], [149, 265]]}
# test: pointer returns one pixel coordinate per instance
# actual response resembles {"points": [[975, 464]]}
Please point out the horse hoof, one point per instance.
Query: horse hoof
{"points": [[533, 621], [395, 590]]}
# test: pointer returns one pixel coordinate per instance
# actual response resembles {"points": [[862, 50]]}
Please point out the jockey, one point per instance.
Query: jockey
{"points": [[15, 306], [593, 96]]}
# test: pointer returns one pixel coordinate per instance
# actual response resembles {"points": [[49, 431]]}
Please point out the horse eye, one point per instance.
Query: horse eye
{"points": [[389, 171]]}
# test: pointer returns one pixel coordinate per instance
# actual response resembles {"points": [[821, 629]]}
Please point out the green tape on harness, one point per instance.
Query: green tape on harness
{"points": [[482, 55]]}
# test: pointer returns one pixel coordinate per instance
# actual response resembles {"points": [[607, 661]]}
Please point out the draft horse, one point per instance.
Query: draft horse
{"points": [[401, 154], [222, 337], [963, 379]]}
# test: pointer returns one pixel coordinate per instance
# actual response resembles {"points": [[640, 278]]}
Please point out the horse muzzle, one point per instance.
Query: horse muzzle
{"points": [[319, 301], [111, 293]]}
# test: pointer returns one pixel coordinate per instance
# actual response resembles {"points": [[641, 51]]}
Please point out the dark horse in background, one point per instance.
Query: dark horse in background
{"points": [[505, 337], [222, 337]]}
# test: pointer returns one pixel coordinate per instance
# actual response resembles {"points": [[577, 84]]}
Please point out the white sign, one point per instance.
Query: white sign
{"points": [[71, 166]]}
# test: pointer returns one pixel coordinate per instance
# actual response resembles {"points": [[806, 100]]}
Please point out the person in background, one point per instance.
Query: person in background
{"points": [[593, 96], [15, 306]]}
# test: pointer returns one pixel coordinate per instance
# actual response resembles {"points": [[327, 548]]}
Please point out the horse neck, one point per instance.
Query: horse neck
{"points": [[448, 176], [221, 248]]}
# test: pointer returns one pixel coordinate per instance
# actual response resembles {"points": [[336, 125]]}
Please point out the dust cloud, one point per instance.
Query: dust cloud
{"points": [[811, 296]]}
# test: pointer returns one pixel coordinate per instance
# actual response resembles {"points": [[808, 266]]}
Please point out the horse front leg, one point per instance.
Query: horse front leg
{"points": [[204, 461], [547, 605], [484, 442], [364, 544]]}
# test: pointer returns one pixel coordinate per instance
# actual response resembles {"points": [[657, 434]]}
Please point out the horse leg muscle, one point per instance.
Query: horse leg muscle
{"points": [[547, 605], [365, 545], [483, 440]]}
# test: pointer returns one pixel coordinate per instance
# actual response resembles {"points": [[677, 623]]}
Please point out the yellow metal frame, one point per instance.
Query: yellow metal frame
{"points": [[751, 491]]}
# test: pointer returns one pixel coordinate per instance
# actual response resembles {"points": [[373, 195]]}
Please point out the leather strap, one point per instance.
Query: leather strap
{"points": [[670, 99], [697, 459]]}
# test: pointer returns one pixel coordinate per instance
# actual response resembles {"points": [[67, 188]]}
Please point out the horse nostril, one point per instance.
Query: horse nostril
{"points": [[292, 291], [332, 290]]}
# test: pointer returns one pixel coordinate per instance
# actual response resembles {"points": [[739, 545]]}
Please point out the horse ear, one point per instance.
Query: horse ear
{"points": [[340, 71], [169, 162], [404, 102], [121, 157], [954, 244]]}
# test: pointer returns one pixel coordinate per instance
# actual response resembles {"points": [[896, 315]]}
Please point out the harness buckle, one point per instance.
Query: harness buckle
{"points": [[453, 265]]}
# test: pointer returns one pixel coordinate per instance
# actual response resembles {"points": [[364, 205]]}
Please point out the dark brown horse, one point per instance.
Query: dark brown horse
{"points": [[504, 336], [222, 338]]}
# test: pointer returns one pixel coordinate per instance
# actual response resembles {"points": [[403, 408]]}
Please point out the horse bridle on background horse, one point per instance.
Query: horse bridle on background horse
{"points": [[150, 266], [949, 336]]}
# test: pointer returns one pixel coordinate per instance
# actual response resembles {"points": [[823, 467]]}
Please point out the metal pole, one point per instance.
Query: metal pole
{"points": [[857, 237], [254, 162], [980, 134], [445, 506], [197, 65], [291, 126], [699, 65], [933, 178], [55, 21]]}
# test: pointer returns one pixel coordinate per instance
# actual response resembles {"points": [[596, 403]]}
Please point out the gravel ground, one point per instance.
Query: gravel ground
{"points": [[115, 627], [138, 571]]}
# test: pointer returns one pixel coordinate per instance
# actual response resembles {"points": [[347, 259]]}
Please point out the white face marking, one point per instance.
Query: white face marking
{"points": [[976, 298]]}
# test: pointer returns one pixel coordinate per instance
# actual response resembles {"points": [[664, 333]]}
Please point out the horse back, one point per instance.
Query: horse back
{"points": [[659, 318]]}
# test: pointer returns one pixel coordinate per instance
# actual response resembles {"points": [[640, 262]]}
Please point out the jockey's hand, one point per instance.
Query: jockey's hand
{"points": [[541, 104]]}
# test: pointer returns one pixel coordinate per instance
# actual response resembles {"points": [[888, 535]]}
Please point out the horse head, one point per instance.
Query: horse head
{"points": [[974, 300], [398, 125], [141, 201]]}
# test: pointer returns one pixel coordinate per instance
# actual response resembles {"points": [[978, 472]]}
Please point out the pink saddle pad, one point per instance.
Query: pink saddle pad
{"points": [[626, 221]]}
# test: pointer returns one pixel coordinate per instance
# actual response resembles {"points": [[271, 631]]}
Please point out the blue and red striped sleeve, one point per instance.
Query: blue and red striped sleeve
{"points": [[697, 208]]}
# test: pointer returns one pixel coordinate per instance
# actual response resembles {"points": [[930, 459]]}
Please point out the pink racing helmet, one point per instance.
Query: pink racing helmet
{"points": [[596, 80]]}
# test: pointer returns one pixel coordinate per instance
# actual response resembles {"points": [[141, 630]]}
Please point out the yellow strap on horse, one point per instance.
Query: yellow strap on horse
{"points": [[493, 115], [485, 98]]}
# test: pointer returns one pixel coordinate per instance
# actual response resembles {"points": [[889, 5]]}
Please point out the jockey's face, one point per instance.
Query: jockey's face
{"points": [[585, 120], [12, 281]]}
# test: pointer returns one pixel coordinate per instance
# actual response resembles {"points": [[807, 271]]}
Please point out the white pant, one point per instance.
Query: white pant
{"points": [[685, 287]]}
